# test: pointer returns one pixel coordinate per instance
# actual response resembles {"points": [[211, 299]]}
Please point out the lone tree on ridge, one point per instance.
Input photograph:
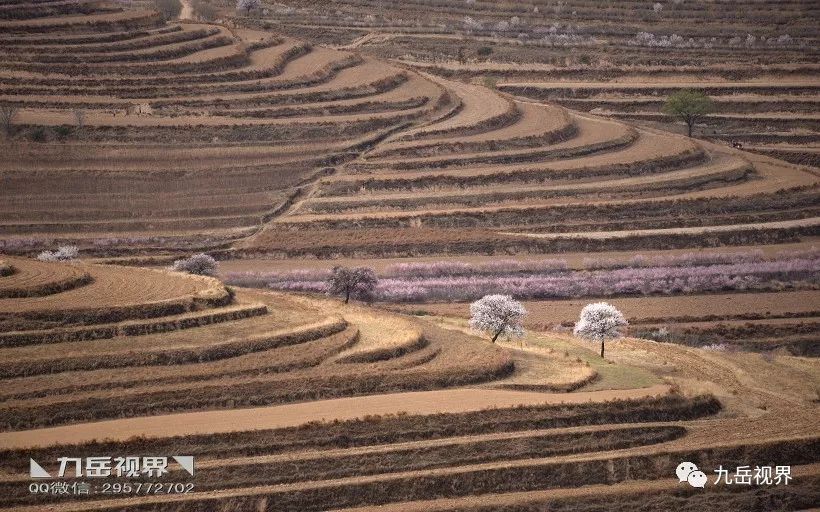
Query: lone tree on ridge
{"points": [[357, 282], [689, 106], [497, 315], [600, 321]]}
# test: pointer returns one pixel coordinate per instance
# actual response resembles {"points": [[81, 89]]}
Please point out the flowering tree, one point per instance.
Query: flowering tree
{"points": [[497, 315], [200, 264], [63, 253], [359, 282], [600, 321], [549, 279]]}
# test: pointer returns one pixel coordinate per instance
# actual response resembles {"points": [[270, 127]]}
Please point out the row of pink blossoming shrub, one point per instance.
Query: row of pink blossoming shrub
{"points": [[552, 279]]}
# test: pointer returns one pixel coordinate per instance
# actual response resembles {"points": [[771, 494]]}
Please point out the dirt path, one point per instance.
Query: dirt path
{"points": [[281, 416]]}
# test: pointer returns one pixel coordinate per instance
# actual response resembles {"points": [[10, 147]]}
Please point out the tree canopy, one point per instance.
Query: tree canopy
{"points": [[357, 282], [497, 315], [600, 321], [689, 106]]}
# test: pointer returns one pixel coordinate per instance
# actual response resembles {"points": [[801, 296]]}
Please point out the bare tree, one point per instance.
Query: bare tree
{"points": [[600, 321], [358, 282], [79, 119], [497, 315], [169, 9], [7, 114], [205, 10], [248, 5]]}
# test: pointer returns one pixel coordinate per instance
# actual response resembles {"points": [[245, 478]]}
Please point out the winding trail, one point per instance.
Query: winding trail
{"points": [[291, 415]]}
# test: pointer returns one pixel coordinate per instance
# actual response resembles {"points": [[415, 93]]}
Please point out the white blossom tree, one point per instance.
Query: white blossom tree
{"points": [[200, 264], [600, 321], [358, 282], [247, 5], [497, 315], [63, 253]]}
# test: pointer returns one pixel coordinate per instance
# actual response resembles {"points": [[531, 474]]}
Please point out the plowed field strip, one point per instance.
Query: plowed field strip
{"points": [[280, 416]]}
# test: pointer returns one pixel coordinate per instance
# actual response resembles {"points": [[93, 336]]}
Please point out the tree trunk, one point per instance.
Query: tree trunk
{"points": [[602, 349], [497, 335], [690, 124], [347, 296]]}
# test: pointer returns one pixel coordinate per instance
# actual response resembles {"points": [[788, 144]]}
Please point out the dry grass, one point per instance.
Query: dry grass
{"points": [[271, 347], [247, 143]]}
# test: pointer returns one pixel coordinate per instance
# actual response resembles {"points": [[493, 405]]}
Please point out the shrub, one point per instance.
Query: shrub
{"points": [[199, 264], [550, 279], [716, 347], [691, 259], [457, 268], [38, 134], [484, 51], [63, 253], [63, 132], [497, 315], [660, 334]]}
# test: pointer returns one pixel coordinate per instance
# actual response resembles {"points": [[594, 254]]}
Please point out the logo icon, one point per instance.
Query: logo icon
{"points": [[36, 470], [697, 478], [689, 472]]}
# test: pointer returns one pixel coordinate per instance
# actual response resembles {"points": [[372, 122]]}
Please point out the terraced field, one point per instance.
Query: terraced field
{"points": [[460, 148], [621, 60], [510, 163], [298, 149], [134, 342], [389, 443], [229, 123], [562, 176]]}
